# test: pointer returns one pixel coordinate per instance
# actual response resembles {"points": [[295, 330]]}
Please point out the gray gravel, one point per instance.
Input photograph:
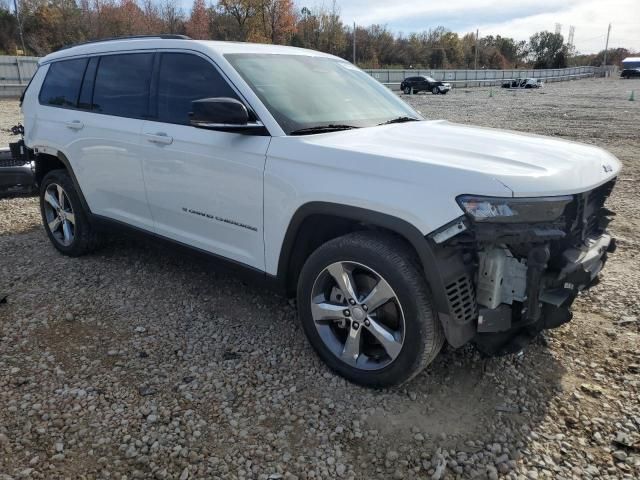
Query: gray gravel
{"points": [[143, 362]]}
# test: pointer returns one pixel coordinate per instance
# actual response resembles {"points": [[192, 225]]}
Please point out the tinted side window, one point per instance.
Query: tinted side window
{"points": [[86, 91], [122, 85], [61, 86], [183, 78]]}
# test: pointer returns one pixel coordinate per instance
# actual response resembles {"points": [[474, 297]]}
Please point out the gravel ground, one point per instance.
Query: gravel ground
{"points": [[143, 362]]}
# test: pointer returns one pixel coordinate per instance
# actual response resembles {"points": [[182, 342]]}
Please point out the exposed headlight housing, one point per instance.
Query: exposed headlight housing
{"points": [[513, 210]]}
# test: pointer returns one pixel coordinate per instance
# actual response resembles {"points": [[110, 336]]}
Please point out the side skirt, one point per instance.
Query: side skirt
{"points": [[244, 272]]}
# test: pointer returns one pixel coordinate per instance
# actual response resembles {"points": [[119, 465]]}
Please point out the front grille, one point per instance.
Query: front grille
{"points": [[12, 162], [587, 215], [462, 300], [594, 212]]}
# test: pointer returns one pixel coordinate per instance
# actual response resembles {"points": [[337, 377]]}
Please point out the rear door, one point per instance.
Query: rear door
{"points": [[102, 132], [205, 187]]}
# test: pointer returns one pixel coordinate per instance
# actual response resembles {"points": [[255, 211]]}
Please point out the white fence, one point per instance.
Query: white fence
{"points": [[15, 73], [476, 78]]}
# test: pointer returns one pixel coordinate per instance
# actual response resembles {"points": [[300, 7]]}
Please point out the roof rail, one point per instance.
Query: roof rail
{"points": [[130, 37]]}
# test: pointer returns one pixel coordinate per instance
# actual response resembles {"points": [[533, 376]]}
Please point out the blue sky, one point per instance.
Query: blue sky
{"points": [[515, 18]]}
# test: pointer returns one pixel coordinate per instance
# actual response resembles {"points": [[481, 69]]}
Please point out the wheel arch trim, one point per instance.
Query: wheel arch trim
{"points": [[397, 225], [67, 164]]}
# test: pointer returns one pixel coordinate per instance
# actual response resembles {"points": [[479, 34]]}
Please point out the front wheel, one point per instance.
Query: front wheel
{"points": [[366, 309], [65, 220], [435, 90]]}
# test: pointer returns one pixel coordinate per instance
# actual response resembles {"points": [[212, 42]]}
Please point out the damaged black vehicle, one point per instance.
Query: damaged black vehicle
{"points": [[514, 266], [17, 168]]}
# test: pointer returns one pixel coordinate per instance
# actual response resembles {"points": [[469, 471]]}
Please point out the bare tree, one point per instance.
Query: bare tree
{"points": [[172, 17], [242, 11]]}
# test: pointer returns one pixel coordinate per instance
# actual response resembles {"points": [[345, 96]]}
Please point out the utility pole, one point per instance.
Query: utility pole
{"points": [[15, 5], [475, 67], [606, 47], [354, 43]]}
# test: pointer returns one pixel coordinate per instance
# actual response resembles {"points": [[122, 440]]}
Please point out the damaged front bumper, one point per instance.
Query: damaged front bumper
{"points": [[510, 281]]}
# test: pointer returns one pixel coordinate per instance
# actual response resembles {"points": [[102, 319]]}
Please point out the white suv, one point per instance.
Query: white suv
{"points": [[395, 232]]}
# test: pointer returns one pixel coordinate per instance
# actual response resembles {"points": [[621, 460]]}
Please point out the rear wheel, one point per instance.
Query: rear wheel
{"points": [[407, 90], [64, 218], [366, 310]]}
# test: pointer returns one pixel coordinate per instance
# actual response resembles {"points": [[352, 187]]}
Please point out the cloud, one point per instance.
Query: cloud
{"points": [[516, 19]]}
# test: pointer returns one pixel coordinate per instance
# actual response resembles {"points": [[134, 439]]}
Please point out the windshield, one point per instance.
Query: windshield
{"points": [[304, 92], [431, 79]]}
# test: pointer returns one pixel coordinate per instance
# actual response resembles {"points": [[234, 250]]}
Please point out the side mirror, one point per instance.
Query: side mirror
{"points": [[221, 113]]}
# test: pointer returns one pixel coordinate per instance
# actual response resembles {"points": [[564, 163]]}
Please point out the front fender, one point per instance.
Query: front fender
{"points": [[445, 272]]}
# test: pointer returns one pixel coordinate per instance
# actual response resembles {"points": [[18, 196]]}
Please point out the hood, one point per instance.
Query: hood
{"points": [[528, 165]]}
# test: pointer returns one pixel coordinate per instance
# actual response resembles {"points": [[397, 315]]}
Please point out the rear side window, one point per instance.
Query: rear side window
{"points": [[184, 78], [86, 91], [122, 85], [61, 86]]}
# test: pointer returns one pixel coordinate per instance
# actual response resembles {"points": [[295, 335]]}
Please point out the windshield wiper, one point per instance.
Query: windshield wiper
{"points": [[399, 120], [322, 129]]}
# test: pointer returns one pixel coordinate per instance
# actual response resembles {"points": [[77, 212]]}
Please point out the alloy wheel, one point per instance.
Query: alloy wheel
{"points": [[58, 211], [357, 315]]}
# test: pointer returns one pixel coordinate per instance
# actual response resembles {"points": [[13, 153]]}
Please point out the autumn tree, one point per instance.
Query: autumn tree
{"points": [[51, 24], [278, 20], [198, 24]]}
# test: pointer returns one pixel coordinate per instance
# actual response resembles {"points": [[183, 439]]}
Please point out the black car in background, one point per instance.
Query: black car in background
{"points": [[630, 73], [424, 84]]}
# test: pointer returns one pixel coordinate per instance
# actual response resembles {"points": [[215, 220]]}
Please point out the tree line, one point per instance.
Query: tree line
{"points": [[43, 26]]}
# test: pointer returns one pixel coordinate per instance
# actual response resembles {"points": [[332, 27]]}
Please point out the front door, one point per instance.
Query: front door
{"points": [[205, 188]]}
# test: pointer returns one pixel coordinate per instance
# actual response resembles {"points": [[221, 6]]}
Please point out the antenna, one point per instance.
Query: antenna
{"points": [[572, 31]]}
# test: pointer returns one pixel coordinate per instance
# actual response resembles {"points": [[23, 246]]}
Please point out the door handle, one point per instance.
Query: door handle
{"points": [[75, 125], [159, 138]]}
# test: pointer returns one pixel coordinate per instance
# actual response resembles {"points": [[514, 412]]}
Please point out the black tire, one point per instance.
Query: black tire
{"points": [[85, 238], [407, 90], [435, 90], [392, 258]]}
